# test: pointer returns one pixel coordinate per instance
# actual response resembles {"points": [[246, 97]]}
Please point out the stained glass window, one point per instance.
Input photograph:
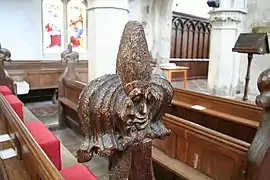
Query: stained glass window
{"points": [[52, 25], [76, 17]]}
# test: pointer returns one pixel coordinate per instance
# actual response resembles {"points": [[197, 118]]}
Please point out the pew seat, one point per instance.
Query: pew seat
{"points": [[47, 141], [16, 104], [5, 90], [78, 172]]}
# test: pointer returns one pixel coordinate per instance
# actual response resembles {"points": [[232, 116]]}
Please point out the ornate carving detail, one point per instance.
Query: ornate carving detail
{"points": [[226, 17], [124, 110], [69, 55]]}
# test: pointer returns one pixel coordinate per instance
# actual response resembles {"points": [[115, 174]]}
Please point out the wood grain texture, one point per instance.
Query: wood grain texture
{"points": [[42, 74], [31, 158]]}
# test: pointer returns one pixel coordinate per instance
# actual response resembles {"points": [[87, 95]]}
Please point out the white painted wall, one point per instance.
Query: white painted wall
{"points": [[156, 16], [193, 7], [21, 30], [258, 15]]}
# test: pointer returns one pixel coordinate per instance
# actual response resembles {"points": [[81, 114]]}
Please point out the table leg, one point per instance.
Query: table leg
{"points": [[185, 79], [170, 76]]}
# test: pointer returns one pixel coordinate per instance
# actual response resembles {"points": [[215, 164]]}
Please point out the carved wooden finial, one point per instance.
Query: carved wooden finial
{"points": [[69, 54], [259, 151], [121, 113], [263, 84]]}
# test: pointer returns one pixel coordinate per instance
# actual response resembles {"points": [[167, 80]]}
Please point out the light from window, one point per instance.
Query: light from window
{"points": [[52, 25], [76, 17]]}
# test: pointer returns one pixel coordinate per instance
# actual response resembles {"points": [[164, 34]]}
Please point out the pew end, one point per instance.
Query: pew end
{"points": [[31, 161]]}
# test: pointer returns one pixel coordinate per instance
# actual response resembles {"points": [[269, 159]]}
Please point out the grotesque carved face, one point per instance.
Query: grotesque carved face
{"points": [[140, 106]]}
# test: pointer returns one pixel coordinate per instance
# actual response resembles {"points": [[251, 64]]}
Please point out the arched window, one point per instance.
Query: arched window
{"points": [[64, 22], [52, 25], [76, 17]]}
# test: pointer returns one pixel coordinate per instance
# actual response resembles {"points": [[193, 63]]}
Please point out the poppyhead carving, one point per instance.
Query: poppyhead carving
{"points": [[120, 110], [4, 55], [69, 54], [263, 83]]}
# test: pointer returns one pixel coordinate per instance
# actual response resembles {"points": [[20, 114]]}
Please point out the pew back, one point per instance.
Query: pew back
{"points": [[210, 152], [31, 161], [221, 114]]}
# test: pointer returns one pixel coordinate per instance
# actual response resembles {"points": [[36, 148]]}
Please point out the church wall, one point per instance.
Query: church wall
{"points": [[21, 30], [257, 16]]}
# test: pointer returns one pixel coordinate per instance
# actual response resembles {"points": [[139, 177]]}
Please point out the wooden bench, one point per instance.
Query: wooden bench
{"points": [[207, 151], [31, 161], [224, 115], [196, 134]]}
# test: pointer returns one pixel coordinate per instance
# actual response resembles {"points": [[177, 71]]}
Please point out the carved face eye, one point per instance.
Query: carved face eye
{"points": [[137, 98]]}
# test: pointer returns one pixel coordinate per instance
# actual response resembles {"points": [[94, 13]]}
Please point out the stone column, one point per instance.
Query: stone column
{"points": [[156, 16], [106, 21], [223, 74]]}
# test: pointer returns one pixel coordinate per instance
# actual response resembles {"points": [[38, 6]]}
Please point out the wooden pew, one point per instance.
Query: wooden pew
{"points": [[31, 162], [42, 74], [210, 152], [221, 114], [212, 143], [179, 148]]}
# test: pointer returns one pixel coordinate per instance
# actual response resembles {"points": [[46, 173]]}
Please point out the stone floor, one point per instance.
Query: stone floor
{"points": [[47, 112], [199, 85], [72, 141]]}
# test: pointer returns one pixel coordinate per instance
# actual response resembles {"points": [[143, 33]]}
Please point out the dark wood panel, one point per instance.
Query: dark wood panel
{"points": [[197, 69], [190, 37], [210, 152], [42, 74]]}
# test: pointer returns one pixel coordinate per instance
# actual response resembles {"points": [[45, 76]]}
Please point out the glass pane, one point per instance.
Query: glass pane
{"points": [[76, 13], [52, 25]]}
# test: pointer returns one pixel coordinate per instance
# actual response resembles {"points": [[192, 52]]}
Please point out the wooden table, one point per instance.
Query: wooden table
{"points": [[176, 69]]}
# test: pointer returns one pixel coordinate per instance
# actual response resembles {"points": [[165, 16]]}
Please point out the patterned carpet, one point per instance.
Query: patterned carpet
{"points": [[45, 111]]}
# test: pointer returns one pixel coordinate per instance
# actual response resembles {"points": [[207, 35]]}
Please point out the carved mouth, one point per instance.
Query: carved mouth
{"points": [[140, 123]]}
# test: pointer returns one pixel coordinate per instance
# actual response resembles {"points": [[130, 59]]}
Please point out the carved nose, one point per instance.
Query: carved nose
{"points": [[143, 109]]}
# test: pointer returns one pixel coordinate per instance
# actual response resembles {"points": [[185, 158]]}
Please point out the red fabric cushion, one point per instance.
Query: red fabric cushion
{"points": [[16, 104], [5, 90], [47, 141], [78, 172]]}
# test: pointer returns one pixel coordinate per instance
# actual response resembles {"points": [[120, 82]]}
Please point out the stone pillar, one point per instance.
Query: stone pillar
{"points": [[223, 74], [106, 21], [156, 16]]}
